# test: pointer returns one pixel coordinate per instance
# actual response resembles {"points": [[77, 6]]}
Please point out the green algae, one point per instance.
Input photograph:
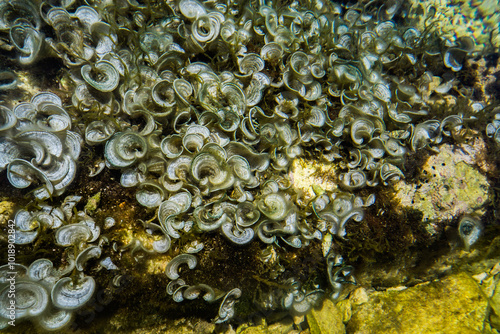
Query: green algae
{"points": [[477, 186]]}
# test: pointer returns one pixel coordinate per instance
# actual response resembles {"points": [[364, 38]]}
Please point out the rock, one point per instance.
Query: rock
{"points": [[495, 307], [452, 305], [308, 173], [248, 329], [450, 185], [359, 296], [326, 320], [345, 307], [6, 217], [93, 203], [6, 211], [285, 326], [158, 326]]}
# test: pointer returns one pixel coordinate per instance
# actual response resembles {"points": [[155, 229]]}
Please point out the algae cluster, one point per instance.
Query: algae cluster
{"points": [[263, 166]]}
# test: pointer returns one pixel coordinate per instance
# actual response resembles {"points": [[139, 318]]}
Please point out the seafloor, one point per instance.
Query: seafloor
{"points": [[416, 249]]}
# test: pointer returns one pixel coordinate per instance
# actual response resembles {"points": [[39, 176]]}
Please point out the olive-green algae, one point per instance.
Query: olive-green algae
{"points": [[125, 210], [454, 304]]}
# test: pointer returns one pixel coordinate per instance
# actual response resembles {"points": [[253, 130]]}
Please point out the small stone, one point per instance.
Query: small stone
{"points": [[480, 277], [93, 203], [298, 319], [359, 296], [488, 285], [109, 222], [496, 269], [248, 329]]}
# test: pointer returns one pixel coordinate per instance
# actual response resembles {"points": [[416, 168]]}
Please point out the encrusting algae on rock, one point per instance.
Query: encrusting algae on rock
{"points": [[243, 164], [451, 305], [448, 185]]}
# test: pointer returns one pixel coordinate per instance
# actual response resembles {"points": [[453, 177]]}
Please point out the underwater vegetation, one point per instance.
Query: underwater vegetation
{"points": [[203, 113]]}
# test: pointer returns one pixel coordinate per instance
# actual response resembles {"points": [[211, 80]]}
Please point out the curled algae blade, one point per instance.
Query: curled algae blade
{"points": [[172, 268]]}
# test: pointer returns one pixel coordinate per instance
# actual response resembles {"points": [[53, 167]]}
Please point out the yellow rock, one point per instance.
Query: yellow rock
{"points": [[247, 329], [6, 211], [495, 306], [285, 326], [452, 305], [327, 320], [253, 330], [495, 321], [345, 307], [359, 296]]}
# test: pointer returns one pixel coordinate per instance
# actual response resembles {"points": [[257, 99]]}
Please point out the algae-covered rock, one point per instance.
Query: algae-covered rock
{"points": [[495, 307], [253, 329], [93, 203], [357, 297], [451, 305], [285, 326], [160, 326], [326, 320], [449, 185], [307, 174], [6, 211]]}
